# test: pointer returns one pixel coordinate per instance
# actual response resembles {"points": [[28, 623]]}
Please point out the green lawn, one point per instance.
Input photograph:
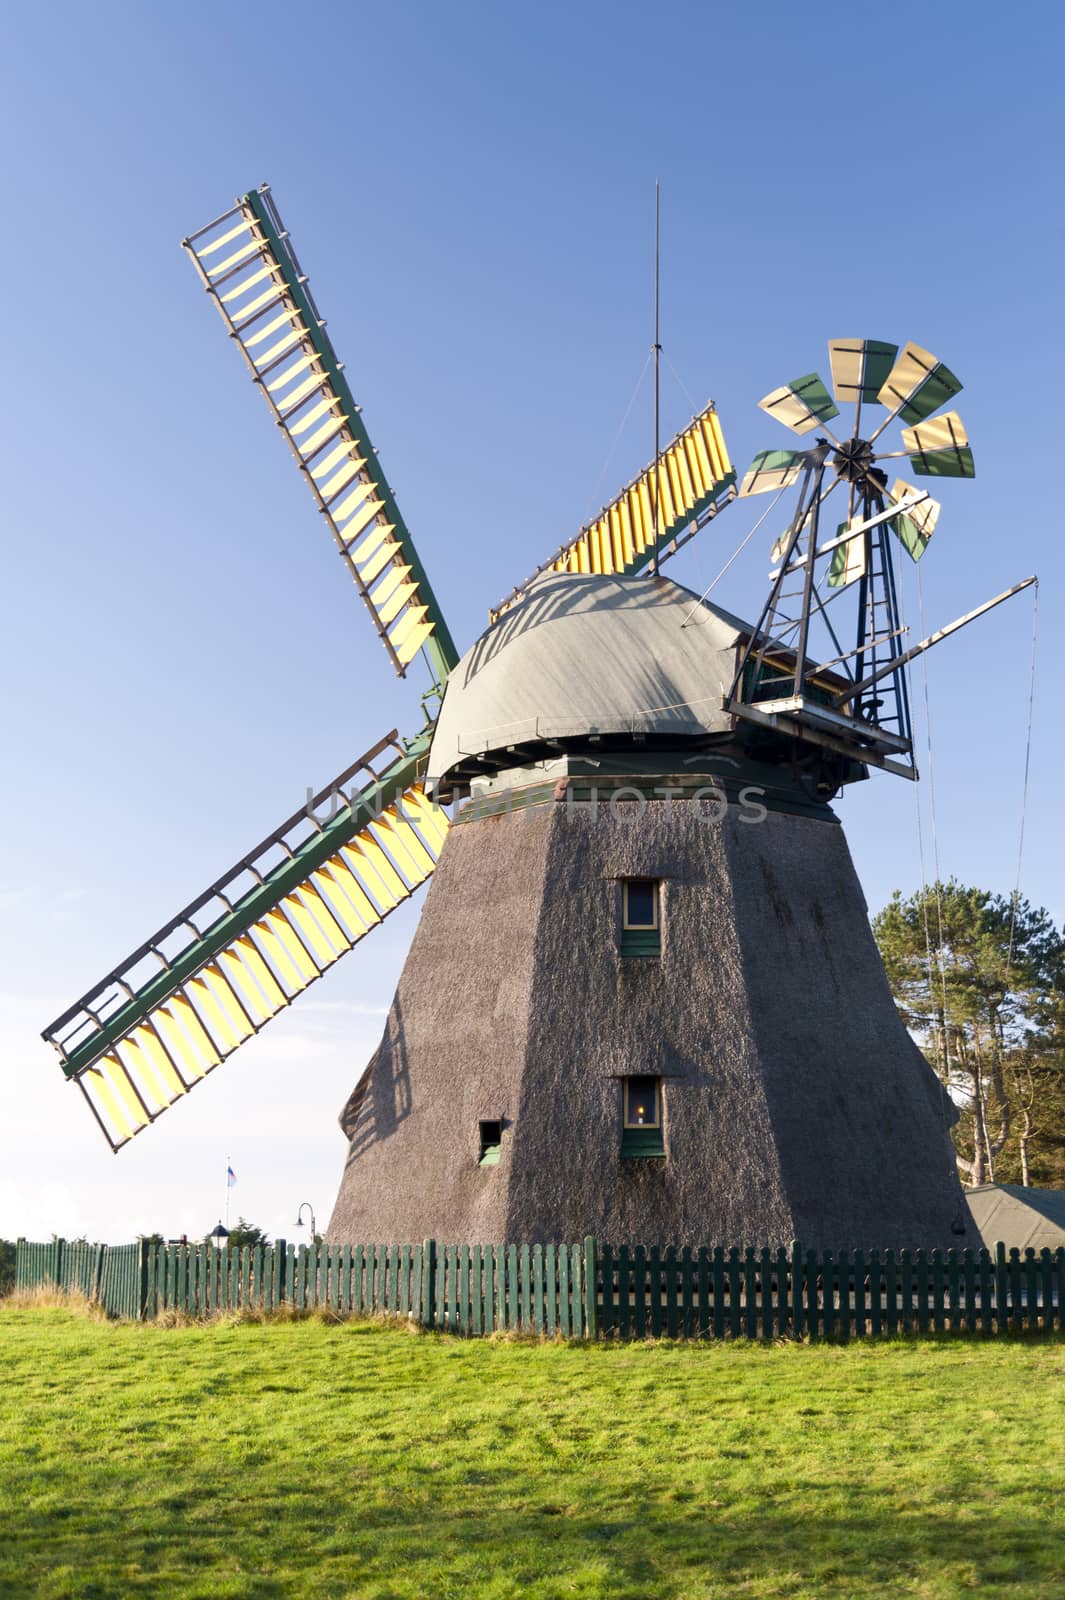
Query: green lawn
{"points": [[299, 1459]]}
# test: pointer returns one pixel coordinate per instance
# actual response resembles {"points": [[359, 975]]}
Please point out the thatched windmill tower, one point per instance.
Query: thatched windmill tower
{"points": [[643, 999]]}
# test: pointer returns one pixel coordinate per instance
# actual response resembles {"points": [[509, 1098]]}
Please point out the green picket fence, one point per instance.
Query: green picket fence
{"points": [[587, 1290]]}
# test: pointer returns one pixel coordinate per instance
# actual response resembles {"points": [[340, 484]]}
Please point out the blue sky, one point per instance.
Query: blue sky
{"points": [[470, 189]]}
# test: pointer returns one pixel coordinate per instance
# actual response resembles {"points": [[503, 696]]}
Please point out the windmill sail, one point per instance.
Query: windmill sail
{"points": [[249, 268], [260, 935], [695, 479]]}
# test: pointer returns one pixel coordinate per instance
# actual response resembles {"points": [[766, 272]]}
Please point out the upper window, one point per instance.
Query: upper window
{"points": [[641, 922], [639, 903], [641, 1118], [643, 1102]]}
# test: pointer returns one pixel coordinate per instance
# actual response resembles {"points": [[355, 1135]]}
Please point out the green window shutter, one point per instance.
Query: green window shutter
{"points": [[642, 1143], [641, 942]]}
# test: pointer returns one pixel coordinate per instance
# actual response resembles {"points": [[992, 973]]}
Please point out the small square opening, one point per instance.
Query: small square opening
{"points": [[490, 1136]]}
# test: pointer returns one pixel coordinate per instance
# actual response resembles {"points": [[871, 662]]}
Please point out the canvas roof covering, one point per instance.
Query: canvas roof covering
{"points": [[1019, 1218], [590, 655]]}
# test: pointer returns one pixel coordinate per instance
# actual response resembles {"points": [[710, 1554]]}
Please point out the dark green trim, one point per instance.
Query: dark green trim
{"points": [[645, 942], [286, 877], [642, 1144], [581, 788], [439, 646]]}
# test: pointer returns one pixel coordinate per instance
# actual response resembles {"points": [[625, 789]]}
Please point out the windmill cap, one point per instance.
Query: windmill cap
{"points": [[586, 657]]}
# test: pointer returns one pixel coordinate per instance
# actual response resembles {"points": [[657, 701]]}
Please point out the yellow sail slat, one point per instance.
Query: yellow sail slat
{"points": [[380, 559], [353, 503], [222, 240], [179, 1045], [249, 283], [666, 510], [688, 491], [186, 1014], [247, 990], [164, 1067], [320, 435], [230, 1002], [237, 257], [404, 846], [700, 480], [290, 374], [366, 546], [364, 869], [353, 890], [99, 1084], [240, 313], [289, 315], [346, 450], [276, 997], [324, 917], [339, 904], [411, 618], [295, 973], [402, 593], [311, 934], [715, 443], [432, 820], [676, 488], [393, 577], [140, 1071], [624, 516], [287, 342], [413, 643], [309, 418], [349, 470], [288, 402], [612, 540], [371, 851], [647, 515], [213, 1017], [292, 944], [114, 1081]]}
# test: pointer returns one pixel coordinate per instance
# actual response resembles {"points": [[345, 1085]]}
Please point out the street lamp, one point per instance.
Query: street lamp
{"points": [[305, 1205]]}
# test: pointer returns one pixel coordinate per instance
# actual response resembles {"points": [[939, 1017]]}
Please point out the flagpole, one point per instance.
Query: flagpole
{"points": [[227, 1194]]}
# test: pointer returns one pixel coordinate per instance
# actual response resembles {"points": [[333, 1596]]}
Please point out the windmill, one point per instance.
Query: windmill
{"points": [[643, 999]]}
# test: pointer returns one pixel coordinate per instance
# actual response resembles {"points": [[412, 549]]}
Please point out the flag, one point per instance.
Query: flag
{"points": [[231, 1177]]}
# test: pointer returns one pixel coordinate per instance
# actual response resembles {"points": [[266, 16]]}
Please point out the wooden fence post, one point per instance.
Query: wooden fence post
{"points": [[590, 1287], [427, 1307], [142, 1279], [1001, 1295]]}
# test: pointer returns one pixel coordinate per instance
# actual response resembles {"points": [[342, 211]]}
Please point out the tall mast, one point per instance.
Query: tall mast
{"points": [[658, 352]]}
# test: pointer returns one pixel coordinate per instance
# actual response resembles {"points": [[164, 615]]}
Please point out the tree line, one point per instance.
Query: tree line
{"points": [[979, 980]]}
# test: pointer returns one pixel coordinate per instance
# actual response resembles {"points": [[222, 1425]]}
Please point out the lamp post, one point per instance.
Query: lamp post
{"points": [[305, 1205]]}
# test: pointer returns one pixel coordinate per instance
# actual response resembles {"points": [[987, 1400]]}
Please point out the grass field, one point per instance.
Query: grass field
{"points": [[301, 1459]]}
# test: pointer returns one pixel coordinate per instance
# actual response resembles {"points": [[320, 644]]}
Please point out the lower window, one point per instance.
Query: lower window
{"points": [[641, 1117], [491, 1138]]}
